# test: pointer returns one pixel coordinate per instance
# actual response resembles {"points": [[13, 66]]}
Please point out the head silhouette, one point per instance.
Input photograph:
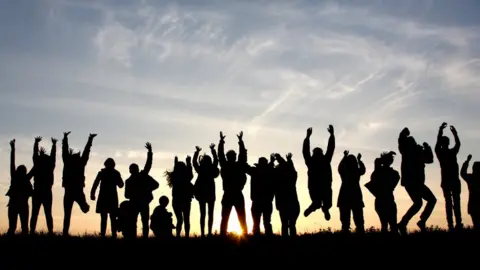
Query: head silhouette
{"points": [[351, 161], [262, 162], [109, 163], [231, 156], [21, 171], [317, 153], [76, 157], [444, 142], [388, 158], [411, 143], [164, 201], [476, 168], [378, 163], [206, 160], [134, 169], [180, 166]]}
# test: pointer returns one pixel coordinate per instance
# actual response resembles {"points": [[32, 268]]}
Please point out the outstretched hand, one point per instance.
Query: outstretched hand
{"points": [[453, 129], [406, 132], [345, 153], [359, 156], [176, 159], [54, 141], [289, 156], [425, 145], [198, 148], [444, 125], [148, 146], [212, 146], [65, 134], [12, 143], [309, 132], [222, 137], [469, 157], [92, 197], [330, 129], [92, 135], [240, 136], [38, 139]]}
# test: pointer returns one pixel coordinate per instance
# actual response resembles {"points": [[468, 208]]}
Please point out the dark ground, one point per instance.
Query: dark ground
{"points": [[435, 248]]}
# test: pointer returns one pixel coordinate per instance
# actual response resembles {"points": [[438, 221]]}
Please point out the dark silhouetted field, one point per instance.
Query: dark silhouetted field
{"points": [[325, 250]]}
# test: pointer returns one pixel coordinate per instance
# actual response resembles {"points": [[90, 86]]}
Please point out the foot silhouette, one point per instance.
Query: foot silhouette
{"points": [[421, 225], [327, 215], [307, 212]]}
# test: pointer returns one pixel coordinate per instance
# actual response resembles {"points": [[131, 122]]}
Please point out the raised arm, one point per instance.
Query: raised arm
{"points": [[221, 150], [242, 153], [95, 186], [402, 139], [195, 159], [463, 171], [427, 153], [341, 165], [456, 148], [148, 164], [189, 168], [12, 160], [331, 144], [88, 147], [361, 167], [306, 147], [439, 137], [214, 155], [53, 152], [35, 149], [65, 148]]}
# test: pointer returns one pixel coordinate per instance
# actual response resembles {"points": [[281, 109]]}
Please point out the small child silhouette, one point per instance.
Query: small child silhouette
{"points": [[161, 222]]}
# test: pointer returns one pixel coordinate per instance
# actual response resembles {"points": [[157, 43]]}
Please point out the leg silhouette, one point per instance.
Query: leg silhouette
{"points": [[47, 208], [211, 207], [226, 210], [447, 194], [145, 215], [427, 195], [345, 218], [186, 216], [457, 209], [267, 219], [12, 219], [358, 219], [103, 224], [202, 217], [36, 204], [67, 208], [179, 215], [113, 224], [256, 216], [242, 217]]}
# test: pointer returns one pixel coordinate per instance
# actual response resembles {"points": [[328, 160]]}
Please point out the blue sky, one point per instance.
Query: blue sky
{"points": [[175, 73]]}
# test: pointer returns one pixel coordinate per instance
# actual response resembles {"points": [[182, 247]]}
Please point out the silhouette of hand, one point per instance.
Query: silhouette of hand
{"points": [[289, 156], [54, 141], [222, 137], [189, 159], [43, 151], [240, 135], [469, 157], [92, 135], [148, 146], [452, 128], [444, 125], [330, 129], [359, 156], [12, 143], [425, 145], [309, 132], [176, 159], [212, 146], [345, 153], [198, 148], [38, 139], [92, 197], [65, 134], [406, 132]]}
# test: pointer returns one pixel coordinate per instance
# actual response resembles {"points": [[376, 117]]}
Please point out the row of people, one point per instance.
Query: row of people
{"points": [[268, 181]]}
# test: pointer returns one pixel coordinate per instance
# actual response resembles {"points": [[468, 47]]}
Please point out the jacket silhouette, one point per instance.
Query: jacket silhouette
{"points": [[74, 179], [262, 192], [19, 192], [207, 170], [350, 199], [43, 182], [139, 189], [473, 182], [319, 174]]}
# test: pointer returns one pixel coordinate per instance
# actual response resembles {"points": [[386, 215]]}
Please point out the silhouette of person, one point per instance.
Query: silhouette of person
{"points": [[319, 174], [234, 178], [207, 171], [139, 189], [383, 181], [161, 220], [19, 192], [450, 175], [179, 179], [126, 220], [286, 199], [350, 199], [74, 179], [42, 183], [262, 193], [109, 179], [414, 158], [473, 183]]}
